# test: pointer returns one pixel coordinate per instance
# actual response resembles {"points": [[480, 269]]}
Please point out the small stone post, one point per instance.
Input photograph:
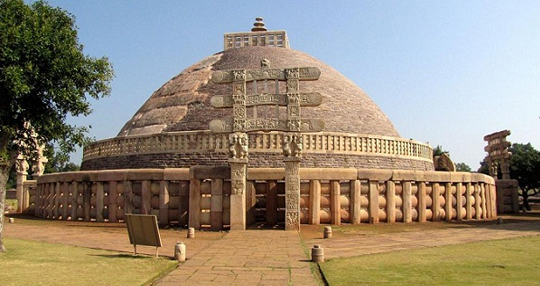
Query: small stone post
{"points": [[327, 232], [317, 253], [180, 251], [191, 232]]}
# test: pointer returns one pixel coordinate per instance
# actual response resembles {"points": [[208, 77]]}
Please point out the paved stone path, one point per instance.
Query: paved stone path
{"points": [[253, 257]]}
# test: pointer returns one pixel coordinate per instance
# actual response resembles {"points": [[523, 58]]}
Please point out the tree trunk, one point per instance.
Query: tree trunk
{"points": [[525, 196]]}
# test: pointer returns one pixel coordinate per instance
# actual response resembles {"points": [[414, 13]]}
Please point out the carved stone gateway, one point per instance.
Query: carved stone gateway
{"points": [[240, 124], [498, 155]]}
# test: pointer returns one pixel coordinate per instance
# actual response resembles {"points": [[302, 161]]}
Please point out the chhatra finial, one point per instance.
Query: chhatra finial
{"points": [[259, 25]]}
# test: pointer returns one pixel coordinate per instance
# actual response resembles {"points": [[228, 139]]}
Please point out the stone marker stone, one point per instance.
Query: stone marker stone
{"points": [[180, 251], [327, 232], [191, 232], [317, 253]]}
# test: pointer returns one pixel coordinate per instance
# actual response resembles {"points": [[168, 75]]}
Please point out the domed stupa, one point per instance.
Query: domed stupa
{"points": [[172, 128], [261, 134]]}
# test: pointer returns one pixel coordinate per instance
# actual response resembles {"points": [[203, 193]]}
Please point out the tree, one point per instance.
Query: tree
{"points": [[44, 77], [58, 161], [462, 167], [525, 168], [438, 151]]}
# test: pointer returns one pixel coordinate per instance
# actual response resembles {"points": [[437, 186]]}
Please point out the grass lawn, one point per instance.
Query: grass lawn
{"points": [[501, 262], [40, 263], [11, 203]]}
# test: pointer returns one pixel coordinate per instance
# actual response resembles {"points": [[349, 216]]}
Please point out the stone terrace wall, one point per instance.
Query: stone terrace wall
{"points": [[321, 150], [199, 196]]}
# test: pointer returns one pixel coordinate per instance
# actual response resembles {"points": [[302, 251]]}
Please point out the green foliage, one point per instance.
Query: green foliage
{"points": [[462, 167], [525, 168], [58, 161], [44, 78], [438, 151], [44, 74], [12, 181], [484, 168]]}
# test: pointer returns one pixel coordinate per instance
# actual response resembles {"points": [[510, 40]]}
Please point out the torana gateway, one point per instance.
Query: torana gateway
{"points": [[261, 133]]}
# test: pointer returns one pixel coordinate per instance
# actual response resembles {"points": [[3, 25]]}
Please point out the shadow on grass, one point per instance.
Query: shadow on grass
{"points": [[123, 256]]}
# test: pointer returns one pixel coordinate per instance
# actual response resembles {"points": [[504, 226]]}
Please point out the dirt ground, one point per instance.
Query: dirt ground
{"points": [[109, 236], [114, 236]]}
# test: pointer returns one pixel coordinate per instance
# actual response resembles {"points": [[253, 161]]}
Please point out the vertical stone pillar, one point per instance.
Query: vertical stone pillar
{"points": [[271, 203], [390, 201], [292, 150], [22, 167], [373, 202], [128, 197], [56, 204], [435, 204], [449, 198], [477, 201], [335, 204], [314, 202], [100, 194], [113, 197], [292, 193], [164, 198], [216, 205], [356, 205], [407, 205], [459, 201], [195, 203], [251, 201], [483, 197], [238, 152], [75, 201], [87, 195], [238, 196], [422, 202], [146, 197], [468, 204]]}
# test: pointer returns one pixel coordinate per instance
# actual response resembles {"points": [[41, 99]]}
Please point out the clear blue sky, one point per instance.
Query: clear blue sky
{"points": [[445, 72]]}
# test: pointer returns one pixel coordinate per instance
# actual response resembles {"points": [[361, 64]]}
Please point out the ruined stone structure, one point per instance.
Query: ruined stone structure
{"points": [[498, 158], [224, 145]]}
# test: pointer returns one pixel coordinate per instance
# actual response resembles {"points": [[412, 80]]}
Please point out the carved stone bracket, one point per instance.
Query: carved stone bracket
{"points": [[238, 145], [292, 145]]}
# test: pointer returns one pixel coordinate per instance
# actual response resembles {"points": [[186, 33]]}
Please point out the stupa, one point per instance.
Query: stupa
{"points": [[260, 133], [171, 130]]}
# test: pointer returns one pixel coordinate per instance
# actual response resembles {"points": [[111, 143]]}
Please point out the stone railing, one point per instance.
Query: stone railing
{"points": [[270, 142], [265, 39], [507, 196], [26, 200], [200, 196]]}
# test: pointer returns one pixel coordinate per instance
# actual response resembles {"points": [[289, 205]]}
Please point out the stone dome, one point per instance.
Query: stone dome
{"points": [[183, 103], [172, 129]]}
